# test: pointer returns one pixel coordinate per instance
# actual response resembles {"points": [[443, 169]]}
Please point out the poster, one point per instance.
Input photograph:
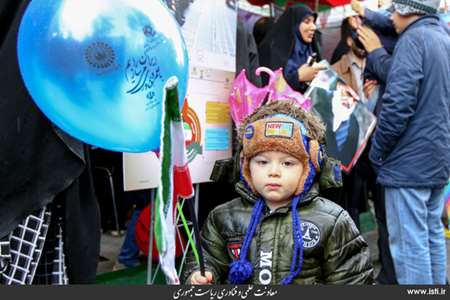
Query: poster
{"points": [[348, 121], [209, 29]]}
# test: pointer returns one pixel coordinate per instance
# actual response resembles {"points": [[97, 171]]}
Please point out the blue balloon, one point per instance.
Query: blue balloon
{"points": [[97, 68]]}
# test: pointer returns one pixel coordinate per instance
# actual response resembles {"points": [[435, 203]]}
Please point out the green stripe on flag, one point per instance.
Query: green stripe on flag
{"points": [[164, 217], [170, 114]]}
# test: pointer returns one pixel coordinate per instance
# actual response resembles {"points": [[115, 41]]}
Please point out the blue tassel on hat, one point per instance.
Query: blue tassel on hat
{"points": [[242, 270]]}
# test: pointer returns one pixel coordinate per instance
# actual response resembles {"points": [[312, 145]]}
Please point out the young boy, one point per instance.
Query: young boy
{"points": [[280, 231]]}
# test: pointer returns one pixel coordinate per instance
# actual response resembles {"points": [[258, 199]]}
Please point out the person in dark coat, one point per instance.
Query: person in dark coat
{"points": [[375, 73], [411, 145], [377, 69], [45, 175], [261, 28], [289, 44], [246, 53]]}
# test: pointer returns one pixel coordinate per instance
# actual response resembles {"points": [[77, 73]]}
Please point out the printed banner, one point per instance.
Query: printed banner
{"points": [[349, 123], [207, 129], [209, 29]]}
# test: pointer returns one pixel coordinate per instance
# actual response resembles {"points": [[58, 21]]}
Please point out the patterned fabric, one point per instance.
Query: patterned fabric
{"points": [[5, 255], [421, 7], [33, 252], [25, 247], [52, 267]]}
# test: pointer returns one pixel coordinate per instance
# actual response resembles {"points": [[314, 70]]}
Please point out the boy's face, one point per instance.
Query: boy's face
{"points": [[275, 176]]}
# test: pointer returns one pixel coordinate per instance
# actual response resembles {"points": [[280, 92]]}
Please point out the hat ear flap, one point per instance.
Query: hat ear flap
{"points": [[315, 154], [246, 174]]}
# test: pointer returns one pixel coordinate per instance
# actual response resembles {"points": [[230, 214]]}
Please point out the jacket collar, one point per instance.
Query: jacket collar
{"points": [[427, 19]]}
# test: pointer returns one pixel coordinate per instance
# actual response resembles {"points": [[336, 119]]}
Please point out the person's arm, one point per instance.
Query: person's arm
{"points": [[378, 64], [399, 99], [347, 256], [304, 74], [292, 77], [376, 20], [214, 252], [378, 60], [379, 22]]}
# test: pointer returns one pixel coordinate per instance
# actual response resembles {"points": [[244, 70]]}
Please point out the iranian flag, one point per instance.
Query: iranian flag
{"points": [[175, 181]]}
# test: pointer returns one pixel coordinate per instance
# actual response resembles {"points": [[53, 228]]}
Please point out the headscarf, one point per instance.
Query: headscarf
{"points": [[277, 47]]}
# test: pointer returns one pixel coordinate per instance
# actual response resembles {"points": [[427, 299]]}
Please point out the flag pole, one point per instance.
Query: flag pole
{"points": [[193, 210], [196, 203], [150, 240]]}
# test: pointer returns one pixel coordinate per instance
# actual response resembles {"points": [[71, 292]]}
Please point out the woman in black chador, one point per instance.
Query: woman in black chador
{"points": [[289, 44]]}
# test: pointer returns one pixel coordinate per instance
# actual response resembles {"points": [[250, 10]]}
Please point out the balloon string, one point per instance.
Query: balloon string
{"points": [[191, 241]]}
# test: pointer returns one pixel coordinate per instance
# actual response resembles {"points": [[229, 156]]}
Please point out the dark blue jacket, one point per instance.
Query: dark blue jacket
{"points": [[378, 62], [299, 57], [411, 145], [382, 25]]}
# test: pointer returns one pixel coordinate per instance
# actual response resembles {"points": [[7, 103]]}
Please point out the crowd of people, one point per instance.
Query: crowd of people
{"points": [[296, 218], [401, 58]]}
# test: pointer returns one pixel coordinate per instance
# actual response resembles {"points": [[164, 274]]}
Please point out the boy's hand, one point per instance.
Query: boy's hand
{"points": [[369, 87], [197, 278]]}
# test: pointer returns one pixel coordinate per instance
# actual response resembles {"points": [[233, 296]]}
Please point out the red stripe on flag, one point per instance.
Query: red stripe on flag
{"points": [[182, 183]]}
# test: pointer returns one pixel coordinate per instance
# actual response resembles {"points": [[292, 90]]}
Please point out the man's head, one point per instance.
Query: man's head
{"points": [[280, 149], [342, 104], [407, 11], [348, 34]]}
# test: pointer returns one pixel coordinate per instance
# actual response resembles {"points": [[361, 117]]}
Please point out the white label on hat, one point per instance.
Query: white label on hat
{"points": [[279, 129]]}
